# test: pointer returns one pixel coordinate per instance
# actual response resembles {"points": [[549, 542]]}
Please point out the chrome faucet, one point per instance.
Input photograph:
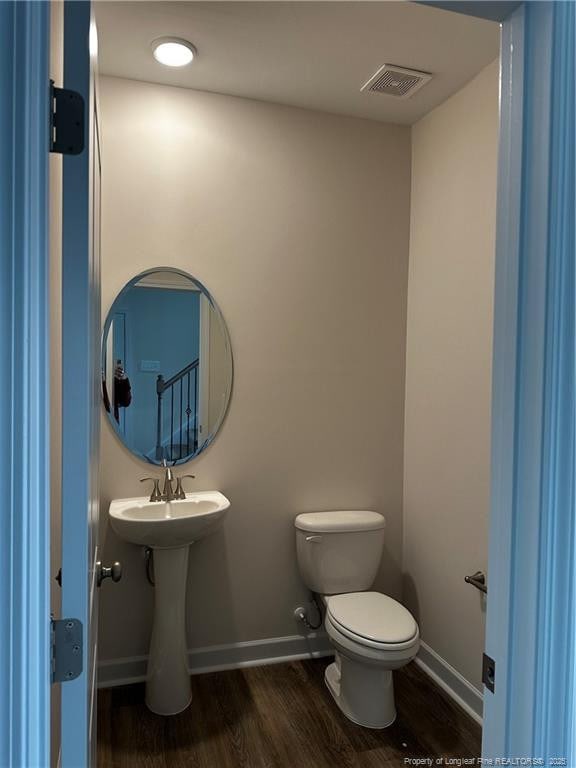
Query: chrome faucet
{"points": [[168, 493]]}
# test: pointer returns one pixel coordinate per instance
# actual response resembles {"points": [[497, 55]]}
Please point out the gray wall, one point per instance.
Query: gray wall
{"points": [[298, 224], [448, 369]]}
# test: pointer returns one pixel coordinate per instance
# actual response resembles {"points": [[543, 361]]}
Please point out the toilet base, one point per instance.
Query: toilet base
{"points": [[363, 692]]}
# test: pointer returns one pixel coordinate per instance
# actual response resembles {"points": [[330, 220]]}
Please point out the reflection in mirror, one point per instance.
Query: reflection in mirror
{"points": [[166, 366]]}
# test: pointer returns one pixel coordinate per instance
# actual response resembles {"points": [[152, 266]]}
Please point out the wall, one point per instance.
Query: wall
{"points": [[448, 369], [55, 226], [298, 223]]}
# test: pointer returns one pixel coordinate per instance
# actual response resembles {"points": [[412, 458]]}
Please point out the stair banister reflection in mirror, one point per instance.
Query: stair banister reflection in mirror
{"points": [[191, 412]]}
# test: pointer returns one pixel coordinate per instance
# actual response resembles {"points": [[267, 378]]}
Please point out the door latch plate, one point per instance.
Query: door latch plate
{"points": [[488, 671], [67, 649]]}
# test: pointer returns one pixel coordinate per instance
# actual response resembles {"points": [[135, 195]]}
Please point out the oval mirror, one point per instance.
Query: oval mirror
{"points": [[166, 366]]}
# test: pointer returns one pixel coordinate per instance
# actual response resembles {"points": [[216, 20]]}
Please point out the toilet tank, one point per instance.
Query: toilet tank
{"points": [[339, 551]]}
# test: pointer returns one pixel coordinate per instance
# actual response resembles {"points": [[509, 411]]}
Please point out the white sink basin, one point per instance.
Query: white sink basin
{"points": [[168, 527], [166, 524]]}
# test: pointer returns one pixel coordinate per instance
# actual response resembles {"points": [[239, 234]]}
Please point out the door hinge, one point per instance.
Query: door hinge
{"points": [[488, 672], [66, 121], [66, 649]]}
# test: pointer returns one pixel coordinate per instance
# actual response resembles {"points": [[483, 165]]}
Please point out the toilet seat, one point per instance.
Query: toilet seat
{"points": [[372, 620]]}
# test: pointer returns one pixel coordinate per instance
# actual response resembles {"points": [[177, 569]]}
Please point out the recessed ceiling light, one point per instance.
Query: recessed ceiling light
{"points": [[173, 52]]}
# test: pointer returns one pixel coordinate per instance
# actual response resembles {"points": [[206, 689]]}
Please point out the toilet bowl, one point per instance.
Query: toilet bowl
{"points": [[372, 634]]}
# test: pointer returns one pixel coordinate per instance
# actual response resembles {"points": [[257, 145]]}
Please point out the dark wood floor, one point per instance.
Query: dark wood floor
{"points": [[279, 716]]}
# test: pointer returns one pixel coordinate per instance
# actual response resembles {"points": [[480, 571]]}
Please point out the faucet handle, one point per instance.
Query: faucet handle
{"points": [[180, 493], [155, 495]]}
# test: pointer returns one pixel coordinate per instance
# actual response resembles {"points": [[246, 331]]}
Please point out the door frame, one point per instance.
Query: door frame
{"points": [[532, 558], [24, 385], [203, 410]]}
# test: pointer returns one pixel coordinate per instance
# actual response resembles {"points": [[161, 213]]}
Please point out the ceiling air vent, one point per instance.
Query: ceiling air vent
{"points": [[396, 81]]}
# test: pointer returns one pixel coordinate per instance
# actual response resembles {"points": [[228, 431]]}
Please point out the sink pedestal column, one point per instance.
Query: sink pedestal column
{"points": [[168, 688]]}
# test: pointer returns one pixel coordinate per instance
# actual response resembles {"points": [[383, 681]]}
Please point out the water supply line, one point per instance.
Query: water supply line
{"points": [[301, 614], [149, 564]]}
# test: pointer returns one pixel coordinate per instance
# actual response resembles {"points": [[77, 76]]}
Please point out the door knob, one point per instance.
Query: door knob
{"points": [[114, 572]]}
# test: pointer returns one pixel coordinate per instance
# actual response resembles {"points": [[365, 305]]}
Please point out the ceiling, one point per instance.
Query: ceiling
{"points": [[314, 55]]}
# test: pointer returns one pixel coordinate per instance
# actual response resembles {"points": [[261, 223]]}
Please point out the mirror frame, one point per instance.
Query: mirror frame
{"points": [[105, 330]]}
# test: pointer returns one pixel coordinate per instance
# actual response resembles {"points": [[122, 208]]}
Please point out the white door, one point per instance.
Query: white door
{"points": [[81, 384]]}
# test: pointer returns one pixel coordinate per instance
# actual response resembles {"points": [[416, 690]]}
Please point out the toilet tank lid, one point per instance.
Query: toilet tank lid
{"points": [[341, 521]]}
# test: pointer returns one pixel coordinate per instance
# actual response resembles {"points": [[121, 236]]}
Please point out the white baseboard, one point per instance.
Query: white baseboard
{"points": [[276, 650], [451, 681], [216, 658]]}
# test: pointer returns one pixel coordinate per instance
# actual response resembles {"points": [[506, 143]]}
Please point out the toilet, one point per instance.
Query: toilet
{"points": [[338, 555]]}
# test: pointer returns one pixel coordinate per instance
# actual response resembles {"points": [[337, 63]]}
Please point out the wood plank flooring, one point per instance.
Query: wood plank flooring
{"points": [[279, 716]]}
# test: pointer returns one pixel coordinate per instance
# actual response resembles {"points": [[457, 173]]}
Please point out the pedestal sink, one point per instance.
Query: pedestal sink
{"points": [[168, 527]]}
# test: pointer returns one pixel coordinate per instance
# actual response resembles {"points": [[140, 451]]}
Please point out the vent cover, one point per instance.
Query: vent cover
{"points": [[396, 81]]}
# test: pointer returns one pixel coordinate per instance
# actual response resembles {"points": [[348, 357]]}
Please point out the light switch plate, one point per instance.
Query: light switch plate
{"points": [[149, 366]]}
